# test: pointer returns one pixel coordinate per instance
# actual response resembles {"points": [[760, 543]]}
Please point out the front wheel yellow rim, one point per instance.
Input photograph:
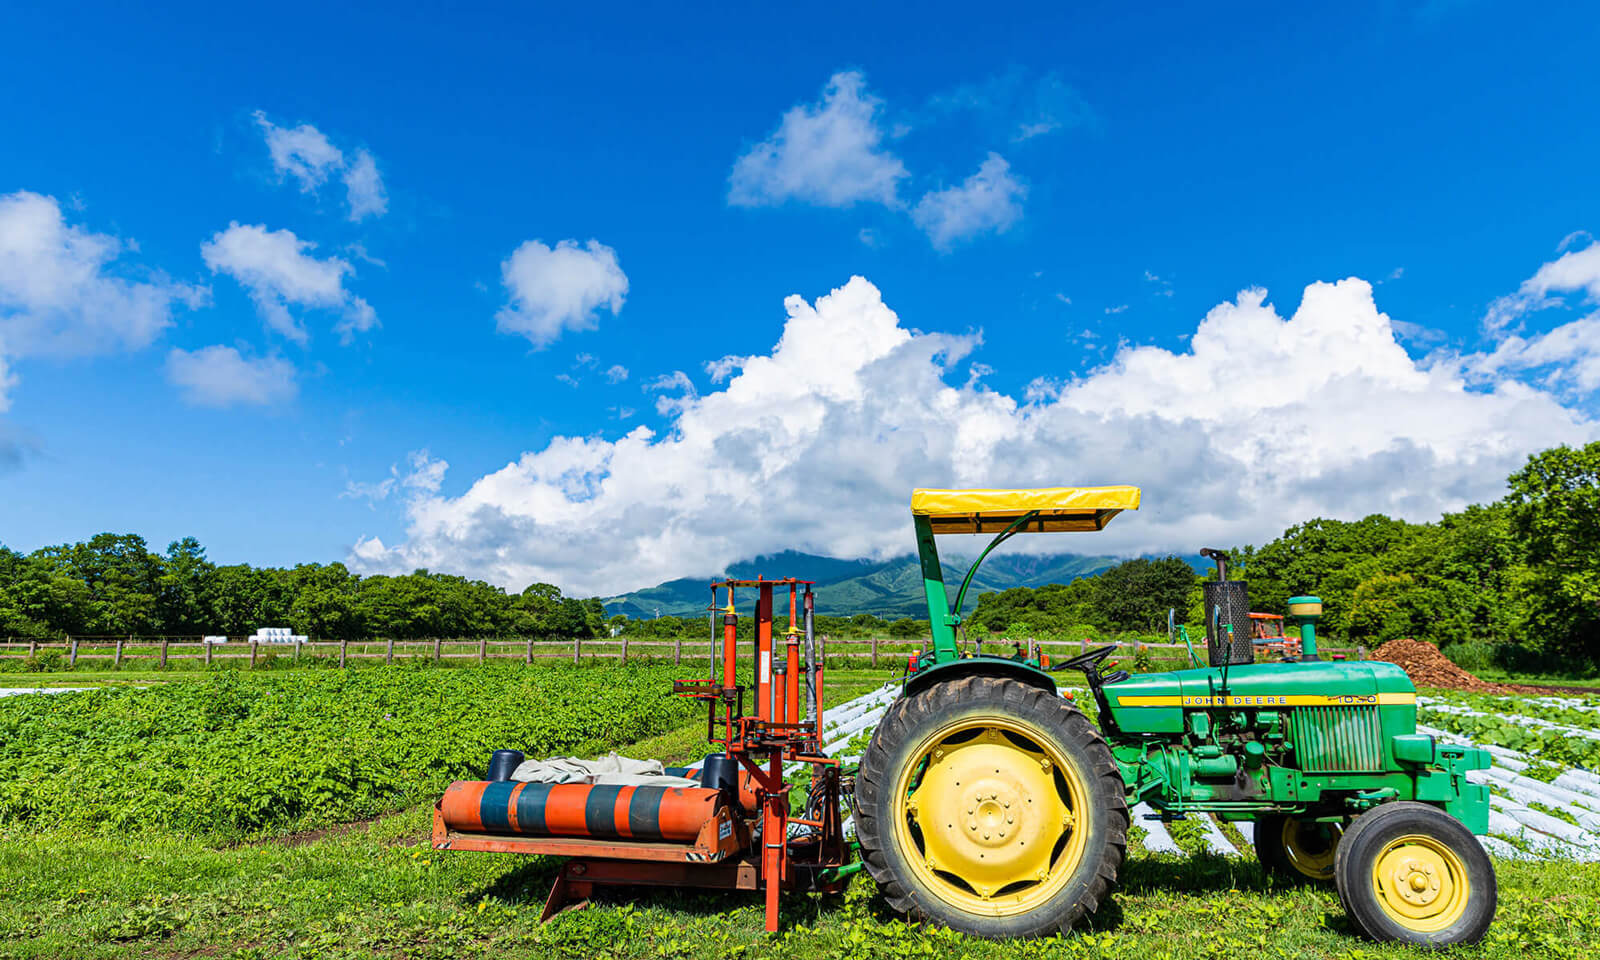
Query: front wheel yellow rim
{"points": [[1421, 883], [991, 815]]}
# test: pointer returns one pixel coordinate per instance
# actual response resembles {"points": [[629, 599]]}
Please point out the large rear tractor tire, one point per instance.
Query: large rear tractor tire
{"points": [[1411, 873], [991, 807], [1294, 849]]}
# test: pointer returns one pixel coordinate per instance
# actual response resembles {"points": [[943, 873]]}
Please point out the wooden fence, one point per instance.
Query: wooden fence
{"points": [[164, 652]]}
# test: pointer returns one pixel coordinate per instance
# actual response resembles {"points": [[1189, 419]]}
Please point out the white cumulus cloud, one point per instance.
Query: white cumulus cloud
{"points": [[1263, 421], [306, 154], [828, 153], [219, 376], [63, 292], [301, 152], [552, 290], [279, 271], [988, 201]]}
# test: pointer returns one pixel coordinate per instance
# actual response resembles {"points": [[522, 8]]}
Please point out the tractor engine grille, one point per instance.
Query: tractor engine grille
{"points": [[1336, 739]]}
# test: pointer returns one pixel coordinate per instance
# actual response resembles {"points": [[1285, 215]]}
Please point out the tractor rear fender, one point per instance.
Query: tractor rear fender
{"points": [[979, 667]]}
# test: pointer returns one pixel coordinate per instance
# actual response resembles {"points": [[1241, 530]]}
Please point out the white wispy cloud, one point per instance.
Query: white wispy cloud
{"points": [[988, 201], [551, 290], [829, 153], [279, 271], [1339, 421], [305, 154], [1574, 271], [63, 291], [364, 190], [1163, 287], [220, 376], [423, 477], [616, 373], [1567, 354]]}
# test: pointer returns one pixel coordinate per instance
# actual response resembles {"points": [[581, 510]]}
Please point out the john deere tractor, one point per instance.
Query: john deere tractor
{"points": [[989, 803]]}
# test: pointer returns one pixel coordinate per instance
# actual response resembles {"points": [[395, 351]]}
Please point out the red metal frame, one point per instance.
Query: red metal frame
{"points": [[777, 732]]}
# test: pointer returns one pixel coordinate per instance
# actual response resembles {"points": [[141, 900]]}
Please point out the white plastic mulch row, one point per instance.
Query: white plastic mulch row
{"points": [[1433, 703], [1512, 815]]}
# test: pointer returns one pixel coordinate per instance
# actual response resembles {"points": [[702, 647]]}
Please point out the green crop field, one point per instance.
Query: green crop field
{"points": [[285, 814]]}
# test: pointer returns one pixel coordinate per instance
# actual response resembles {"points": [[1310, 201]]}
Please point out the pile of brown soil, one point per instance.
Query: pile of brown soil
{"points": [[1427, 667]]}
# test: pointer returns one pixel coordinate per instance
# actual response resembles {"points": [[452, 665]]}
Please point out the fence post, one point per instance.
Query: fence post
{"points": [[677, 650], [874, 650], [344, 643], [388, 651], [163, 653], [33, 648], [1361, 653], [483, 649], [116, 658], [72, 658], [208, 652], [577, 649], [1083, 645], [624, 648], [435, 649], [529, 658], [297, 646], [253, 645]]}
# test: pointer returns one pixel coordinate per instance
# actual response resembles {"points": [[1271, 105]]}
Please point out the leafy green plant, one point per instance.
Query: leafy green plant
{"points": [[237, 754]]}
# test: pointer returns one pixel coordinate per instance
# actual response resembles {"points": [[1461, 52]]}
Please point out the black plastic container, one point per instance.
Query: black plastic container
{"points": [[721, 772], [503, 763]]}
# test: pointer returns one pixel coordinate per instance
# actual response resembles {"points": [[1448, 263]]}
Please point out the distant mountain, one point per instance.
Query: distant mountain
{"points": [[889, 589]]}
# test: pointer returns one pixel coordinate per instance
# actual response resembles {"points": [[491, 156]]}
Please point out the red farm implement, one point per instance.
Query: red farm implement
{"points": [[736, 830]]}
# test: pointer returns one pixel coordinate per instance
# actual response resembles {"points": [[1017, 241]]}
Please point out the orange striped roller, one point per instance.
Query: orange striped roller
{"points": [[673, 814]]}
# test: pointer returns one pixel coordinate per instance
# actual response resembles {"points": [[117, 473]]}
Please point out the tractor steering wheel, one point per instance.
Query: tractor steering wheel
{"points": [[1089, 662]]}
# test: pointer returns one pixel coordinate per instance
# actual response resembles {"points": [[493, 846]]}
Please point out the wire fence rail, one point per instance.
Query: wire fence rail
{"points": [[164, 652]]}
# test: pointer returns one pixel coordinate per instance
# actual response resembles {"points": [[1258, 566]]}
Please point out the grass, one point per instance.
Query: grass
{"points": [[376, 889], [379, 891]]}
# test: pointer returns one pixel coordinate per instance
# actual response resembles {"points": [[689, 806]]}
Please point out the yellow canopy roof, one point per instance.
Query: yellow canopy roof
{"points": [[991, 511]]}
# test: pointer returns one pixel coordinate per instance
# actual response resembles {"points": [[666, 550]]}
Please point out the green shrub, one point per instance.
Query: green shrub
{"points": [[1472, 654], [45, 662]]}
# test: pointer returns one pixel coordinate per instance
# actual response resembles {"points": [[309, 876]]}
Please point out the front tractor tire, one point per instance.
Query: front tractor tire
{"points": [[1411, 873], [992, 807]]}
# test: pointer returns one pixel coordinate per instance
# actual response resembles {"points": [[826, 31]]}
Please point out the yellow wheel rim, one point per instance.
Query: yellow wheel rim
{"points": [[1421, 883], [990, 815], [1309, 846]]}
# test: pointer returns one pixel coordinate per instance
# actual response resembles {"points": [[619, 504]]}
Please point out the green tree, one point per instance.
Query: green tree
{"points": [[1555, 515], [181, 588], [1136, 594]]}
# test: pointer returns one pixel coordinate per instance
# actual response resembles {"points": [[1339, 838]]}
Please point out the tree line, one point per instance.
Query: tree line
{"points": [[113, 584]]}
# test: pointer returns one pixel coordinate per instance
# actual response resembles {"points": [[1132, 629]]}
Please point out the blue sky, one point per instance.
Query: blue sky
{"points": [[206, 329]]}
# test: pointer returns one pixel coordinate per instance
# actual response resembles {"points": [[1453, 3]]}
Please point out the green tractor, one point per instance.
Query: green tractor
{"points": [[989, 803]]}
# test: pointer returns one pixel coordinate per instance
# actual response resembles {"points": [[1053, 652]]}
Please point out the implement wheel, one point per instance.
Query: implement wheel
{"points": [[1297, 849], [1411, 873], [991, 807]]}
